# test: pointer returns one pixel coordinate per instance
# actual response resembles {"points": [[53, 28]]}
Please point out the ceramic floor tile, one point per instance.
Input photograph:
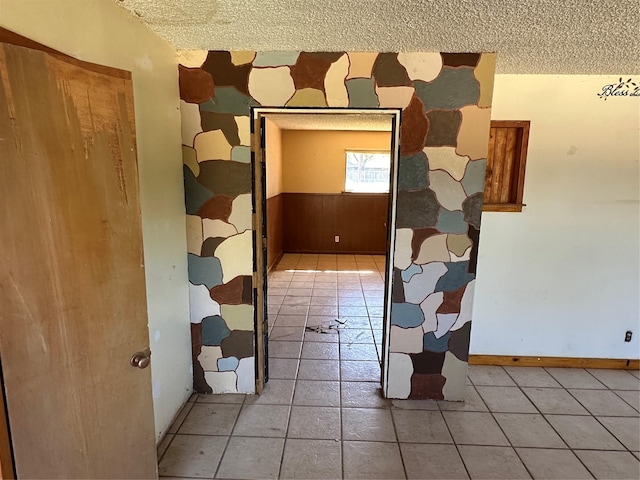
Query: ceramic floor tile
{"points": [[424, 461], [474, 428], [283, 368], [626, 430], [221, 398], [351, 311], [531, 377], [492, 462], [372, 460], [314, 422], [251, 458], [177, 422], [358, 351], [489, 375], [375, 311], [287, 334], [630, 396], [164, 444], [210, 419], [352, 302], [472, 403], [414, 404], [505, 399], [362, 394], [352, 335], [329, 336], [311, 459], [323, 310], [192, 456], [420, 426], [603, 402], [373, 424], [610, 465], [360, 371], [583, 432], [324, 292], [279, 349], [296, 300], [262, 421], [359, 323], [317, 393], [552, 464], [330, 301], [276, 392], [575, 378], [319, 369], [290, 320], [293, 310], [317, 350], [528, 430], [299, 292], [554, 400], [616, 379]]}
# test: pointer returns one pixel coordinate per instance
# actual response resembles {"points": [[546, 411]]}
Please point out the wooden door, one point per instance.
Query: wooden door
{"points": [[72, 286]]}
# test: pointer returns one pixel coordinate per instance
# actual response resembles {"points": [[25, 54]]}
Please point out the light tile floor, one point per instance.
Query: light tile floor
{"points": [[322, 416]]}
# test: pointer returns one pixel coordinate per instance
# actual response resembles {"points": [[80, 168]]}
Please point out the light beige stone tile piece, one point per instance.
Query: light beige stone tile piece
{"points": [[271, 86], [212, 145]]}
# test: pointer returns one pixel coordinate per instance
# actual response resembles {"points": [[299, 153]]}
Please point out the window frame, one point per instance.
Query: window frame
{"points": [[515, 203], [366, 150]]}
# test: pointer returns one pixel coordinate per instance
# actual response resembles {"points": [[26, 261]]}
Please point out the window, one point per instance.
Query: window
{"points": [[367, 171], [506, 162]]}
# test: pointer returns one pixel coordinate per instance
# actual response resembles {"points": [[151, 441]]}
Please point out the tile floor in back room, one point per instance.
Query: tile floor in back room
{"points": [[322, 416]]}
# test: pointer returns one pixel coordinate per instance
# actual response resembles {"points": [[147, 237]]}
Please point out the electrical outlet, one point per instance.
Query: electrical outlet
{"points": [[336, 239], [627, 336]]}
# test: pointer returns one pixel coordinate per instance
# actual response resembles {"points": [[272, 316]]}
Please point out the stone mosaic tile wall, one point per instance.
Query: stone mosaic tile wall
{"points": [[446, 101]]}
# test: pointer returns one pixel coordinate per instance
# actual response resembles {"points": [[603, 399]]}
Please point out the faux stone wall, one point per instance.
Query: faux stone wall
{"points": [[446, 101]]}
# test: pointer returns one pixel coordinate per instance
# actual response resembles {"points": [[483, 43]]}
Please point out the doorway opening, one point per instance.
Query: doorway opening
{"points": [[324, 218]]}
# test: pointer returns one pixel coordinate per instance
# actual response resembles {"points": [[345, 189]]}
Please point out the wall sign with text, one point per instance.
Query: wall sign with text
{"points": [[620, 89]]}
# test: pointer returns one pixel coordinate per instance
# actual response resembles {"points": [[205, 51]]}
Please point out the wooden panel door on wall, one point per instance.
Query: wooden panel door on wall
{"points": [[72, 287]]}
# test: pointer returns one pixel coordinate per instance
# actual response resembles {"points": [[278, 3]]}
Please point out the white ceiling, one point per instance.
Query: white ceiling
{"points": [[530, 36]]}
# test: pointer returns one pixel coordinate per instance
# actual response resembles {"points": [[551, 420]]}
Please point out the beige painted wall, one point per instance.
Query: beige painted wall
{"points": [[274, 158], [314, 161], [101, 32]]}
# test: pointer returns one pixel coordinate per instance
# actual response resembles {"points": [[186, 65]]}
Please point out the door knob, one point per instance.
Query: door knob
{"points": [[141, 359]]}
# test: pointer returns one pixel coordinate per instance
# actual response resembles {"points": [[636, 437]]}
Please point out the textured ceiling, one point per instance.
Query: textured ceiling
{"points": [[530, 36], [331, 121]]}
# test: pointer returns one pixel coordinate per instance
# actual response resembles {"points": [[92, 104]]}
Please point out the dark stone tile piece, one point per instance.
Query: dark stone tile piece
{"points": [[226, 177], [196, 85], [427, 386], [474, 235], [330, 57], [414, 128], [427, 362], [361, 93], [452, 300], [417, 209], [460, 59], [217, 207], [247, 290], [397, 288], [453, 88], [389, 72], [214, 330], [457, 276], [406, 315], [310, 71], [451, 221], [204, 270], [221, 121], [443, 128], [195, 194], [229, 293], [432, 344], [238, 344], [413, 172], [200, 385], [459, 342], [209, 246], [472, 208], [229, 100], [419, 236], [225, 73]]}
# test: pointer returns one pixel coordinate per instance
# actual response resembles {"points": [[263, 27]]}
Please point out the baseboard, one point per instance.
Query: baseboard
{"points": [[272, 267], [570, 362]]}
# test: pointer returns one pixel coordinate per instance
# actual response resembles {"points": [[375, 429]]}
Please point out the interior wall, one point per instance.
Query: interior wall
{"points": [[314, 161], [101, 32], [446, 102], [274, 203], [274, 158], [562, 277]]}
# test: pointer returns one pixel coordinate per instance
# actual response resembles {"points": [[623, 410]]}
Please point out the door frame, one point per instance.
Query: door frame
{"points": [[258, 174]]}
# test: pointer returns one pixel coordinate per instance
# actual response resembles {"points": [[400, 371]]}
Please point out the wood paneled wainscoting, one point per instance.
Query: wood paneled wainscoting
{"points": [[274, 230], [312, 221]]}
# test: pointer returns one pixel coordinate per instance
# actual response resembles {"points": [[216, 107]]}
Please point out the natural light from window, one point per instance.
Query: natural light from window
{"points": [[367, 172]]}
